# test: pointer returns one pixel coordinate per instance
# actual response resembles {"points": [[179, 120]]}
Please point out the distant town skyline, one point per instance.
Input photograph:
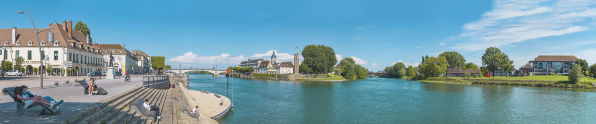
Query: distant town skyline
{"points": [[376, 34]]}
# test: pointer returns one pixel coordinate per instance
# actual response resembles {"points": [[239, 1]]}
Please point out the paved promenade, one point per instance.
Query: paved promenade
{"points": [[75, 101]]}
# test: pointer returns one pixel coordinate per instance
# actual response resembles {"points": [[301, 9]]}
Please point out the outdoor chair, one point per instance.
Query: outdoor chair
{"points": [[100, 91], [138, 107], [20, 104]]}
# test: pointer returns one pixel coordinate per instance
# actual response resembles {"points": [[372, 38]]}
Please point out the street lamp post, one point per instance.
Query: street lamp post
{"points": [[37, 36]]}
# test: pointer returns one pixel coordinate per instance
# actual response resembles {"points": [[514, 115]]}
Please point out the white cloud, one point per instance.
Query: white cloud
{"points": [[359, 61], [356, 59], [279, 56], [375, 64], [517, 21], [338, 57], [224, 58], [588, 55], [443, 44]]}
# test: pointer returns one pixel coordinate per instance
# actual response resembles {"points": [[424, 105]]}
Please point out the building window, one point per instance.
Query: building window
{"points": [[56, 43], [18, 43], [29, 43], [16, 54], [55, 55], [76, 57], [29, 55], [69, 56], [43, 43], [43, 55]]}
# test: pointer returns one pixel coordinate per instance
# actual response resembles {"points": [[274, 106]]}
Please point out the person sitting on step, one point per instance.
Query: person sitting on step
{"points": [[152, 107], [91, 86], [195, 111]]}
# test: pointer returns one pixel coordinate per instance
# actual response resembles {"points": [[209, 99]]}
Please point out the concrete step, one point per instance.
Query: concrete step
{"points": [[125, 113], [104, 110], [130, 115], [99, 106], [115, 112]]}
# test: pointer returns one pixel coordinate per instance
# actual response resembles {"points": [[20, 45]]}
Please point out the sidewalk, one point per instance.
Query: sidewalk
{"points": [[72, 94]]}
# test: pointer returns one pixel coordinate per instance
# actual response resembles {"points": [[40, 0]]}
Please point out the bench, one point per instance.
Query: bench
{"points": [[100, 91], [137, 106], [20, 104]]}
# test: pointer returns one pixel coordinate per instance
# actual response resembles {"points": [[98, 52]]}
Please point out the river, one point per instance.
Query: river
{"points": [[383, 100]]}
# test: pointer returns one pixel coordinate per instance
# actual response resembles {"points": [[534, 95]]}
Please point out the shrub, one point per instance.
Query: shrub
{"points": [[575, 73]]}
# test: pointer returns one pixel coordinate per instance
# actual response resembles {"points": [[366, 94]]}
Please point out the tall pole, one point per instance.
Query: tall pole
{"points": [[37, 36]]}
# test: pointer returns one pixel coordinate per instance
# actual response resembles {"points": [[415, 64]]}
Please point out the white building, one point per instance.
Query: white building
{"points": [[142, 61], [123, 59], [254, 63], [285, 68], [59, 43]]}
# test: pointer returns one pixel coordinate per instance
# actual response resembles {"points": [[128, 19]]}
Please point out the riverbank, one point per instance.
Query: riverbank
{"points": [[212, 107], [533, 81], [292, 77]]}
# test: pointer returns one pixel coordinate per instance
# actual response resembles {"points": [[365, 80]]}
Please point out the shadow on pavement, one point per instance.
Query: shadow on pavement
{"points": [[8, 113]]}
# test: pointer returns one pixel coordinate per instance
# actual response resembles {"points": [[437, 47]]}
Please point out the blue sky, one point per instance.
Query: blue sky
{"points": [[376, 33]]}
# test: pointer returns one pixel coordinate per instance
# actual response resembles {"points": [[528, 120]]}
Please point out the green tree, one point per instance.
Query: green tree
{"points": [[434, 67], [484, 70], [303, 68], [402, 72], [18, 63], [35, 70], [7, 65], [593, 70], [584, 64], [167, 67], [467, 75], [493, 58], [470, 65], [158, 63], [48, 69], [362, 72], [82, 27], [410, 72], [507, 65], [454, 59], [393, 71], [575, 73], [319, 58]]}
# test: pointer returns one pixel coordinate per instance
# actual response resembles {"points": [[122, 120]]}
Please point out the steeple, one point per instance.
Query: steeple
{"points": [[273, 57]]}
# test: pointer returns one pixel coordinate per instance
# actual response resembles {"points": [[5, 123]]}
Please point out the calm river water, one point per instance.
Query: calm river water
{"points": [[382, 100]]}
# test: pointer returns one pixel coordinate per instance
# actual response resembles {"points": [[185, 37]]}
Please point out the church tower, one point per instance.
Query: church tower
{"points": [[273, 57]]}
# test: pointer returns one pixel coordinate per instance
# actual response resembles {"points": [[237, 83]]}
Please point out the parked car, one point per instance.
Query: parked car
{"points": [[105, 73], [95, 73], [117, 73], [14, 73]]}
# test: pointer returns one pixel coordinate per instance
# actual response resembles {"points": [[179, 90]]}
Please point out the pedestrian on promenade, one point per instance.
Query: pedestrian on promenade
{"points": [[91, 86], [152, 107]]}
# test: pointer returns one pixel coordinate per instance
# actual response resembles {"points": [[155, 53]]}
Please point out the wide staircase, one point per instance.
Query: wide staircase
{"points": [[116, 110]]}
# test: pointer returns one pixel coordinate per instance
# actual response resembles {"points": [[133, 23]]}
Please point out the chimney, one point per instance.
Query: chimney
{"points": [[70, 28], [64, 25], [124, 45], [14, 35], [87, 39]]}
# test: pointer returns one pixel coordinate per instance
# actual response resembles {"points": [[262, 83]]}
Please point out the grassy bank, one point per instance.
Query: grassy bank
{"points": [[328, 77], [536, 81]]}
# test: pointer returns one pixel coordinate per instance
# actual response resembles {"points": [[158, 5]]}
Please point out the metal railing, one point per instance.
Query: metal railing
{"points": [[157, 81]]}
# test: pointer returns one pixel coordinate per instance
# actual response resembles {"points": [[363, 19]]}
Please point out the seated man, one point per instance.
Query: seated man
{"points": [[152, 107], [195, 111]]}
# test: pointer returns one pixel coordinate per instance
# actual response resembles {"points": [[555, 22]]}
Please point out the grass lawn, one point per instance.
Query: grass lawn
{"points": [[326, 77], [543, 78]]}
